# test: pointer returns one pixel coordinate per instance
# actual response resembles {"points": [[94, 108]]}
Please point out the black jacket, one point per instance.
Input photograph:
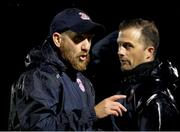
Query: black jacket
{"points": [[48, 96], [150, 103]]}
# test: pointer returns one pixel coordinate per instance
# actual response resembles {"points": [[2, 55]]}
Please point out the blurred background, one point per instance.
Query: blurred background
{"points": [[28, 24]]}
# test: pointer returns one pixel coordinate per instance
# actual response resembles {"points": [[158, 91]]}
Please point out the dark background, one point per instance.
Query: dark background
{"points": [[27, 24]]}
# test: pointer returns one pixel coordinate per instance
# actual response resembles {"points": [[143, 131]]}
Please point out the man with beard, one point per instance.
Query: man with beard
{"points": [[147, 81], [53, 94]]}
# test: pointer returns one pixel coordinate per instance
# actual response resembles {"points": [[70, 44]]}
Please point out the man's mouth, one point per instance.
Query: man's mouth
{"points": [[83, 57], [124, 61]]}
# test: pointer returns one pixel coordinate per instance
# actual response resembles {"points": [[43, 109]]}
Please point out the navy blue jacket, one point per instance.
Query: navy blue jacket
{"points": [[51, 96]]}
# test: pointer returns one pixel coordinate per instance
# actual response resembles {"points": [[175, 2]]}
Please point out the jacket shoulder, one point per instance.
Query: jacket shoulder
{"points": [[40, 84]]}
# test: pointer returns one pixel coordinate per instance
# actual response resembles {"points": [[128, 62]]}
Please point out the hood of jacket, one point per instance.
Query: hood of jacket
{"points": [[44, 54]]}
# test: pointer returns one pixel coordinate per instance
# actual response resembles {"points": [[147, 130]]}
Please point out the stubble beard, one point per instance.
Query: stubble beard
{"points": [[74, 59]]}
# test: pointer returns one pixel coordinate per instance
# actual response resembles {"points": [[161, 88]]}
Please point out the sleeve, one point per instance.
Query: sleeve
{"points": [[160, 115], [38, 101], [105, 48]]}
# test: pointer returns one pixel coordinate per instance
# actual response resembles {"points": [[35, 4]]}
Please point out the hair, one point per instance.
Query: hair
{"points": [[149, 31]]}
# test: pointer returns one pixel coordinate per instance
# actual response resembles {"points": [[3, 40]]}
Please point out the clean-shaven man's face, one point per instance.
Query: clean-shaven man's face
{"points": [[131, 49]]}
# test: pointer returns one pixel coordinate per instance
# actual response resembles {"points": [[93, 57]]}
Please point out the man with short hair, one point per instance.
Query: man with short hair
{"points": [[147, 81], [53, 94]]}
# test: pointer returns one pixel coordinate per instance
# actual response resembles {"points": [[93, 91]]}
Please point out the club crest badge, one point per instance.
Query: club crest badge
{"points": [[84, 16], [81, 86]]}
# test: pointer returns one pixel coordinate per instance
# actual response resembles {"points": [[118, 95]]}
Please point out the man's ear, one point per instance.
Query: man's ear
{"points": [[57, 39], [150, 53]]}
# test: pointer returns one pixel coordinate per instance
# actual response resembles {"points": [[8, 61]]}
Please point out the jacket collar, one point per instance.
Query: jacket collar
{"points": [[44, 53]]}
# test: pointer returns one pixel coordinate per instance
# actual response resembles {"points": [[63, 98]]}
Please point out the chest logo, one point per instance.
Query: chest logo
{"points": [[81, 86]]}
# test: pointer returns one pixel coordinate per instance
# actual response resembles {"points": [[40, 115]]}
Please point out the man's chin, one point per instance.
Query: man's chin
{"points": [[124, 69], [81, 67]]}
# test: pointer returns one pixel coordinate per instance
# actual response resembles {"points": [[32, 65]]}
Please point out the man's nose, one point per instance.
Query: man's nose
{"points": [[121, 50], [86, 45]]}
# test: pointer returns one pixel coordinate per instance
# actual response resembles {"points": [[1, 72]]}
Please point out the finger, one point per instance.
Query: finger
{"points": [[120, 106], [113, 112], [116, 97], [117, 109]]}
